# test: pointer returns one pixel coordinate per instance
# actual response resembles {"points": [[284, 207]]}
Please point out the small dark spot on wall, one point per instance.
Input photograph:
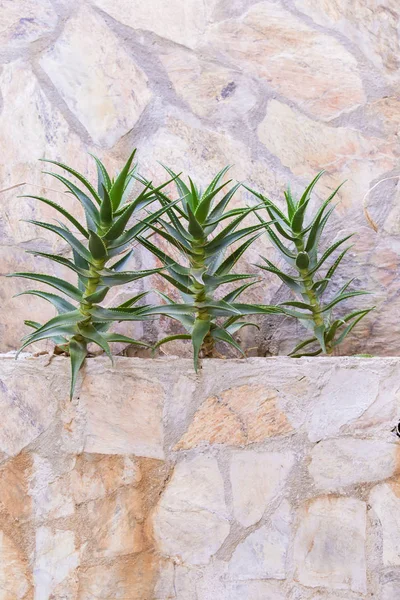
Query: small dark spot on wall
{"points": [[228, 90]]}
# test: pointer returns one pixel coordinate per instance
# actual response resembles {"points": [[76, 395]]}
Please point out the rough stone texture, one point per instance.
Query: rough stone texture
{"points": [[278, 88], [99, 498]]}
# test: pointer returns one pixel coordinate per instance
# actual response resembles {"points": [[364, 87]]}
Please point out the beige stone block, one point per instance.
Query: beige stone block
{"points": [[15, 502], [263, 554], [123, 418], [329, 548], [100, 83], [191, 522], [15, 581], [257, 478], [348, 461], [56, 561], [25, 22], [293, 58], [238, 416], [50, 491], [385, 501]]}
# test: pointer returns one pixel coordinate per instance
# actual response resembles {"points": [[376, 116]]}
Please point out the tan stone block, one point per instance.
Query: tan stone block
{"points": [[385, 501], [263, 554], [348, 461], [15, 581], [15, 501], [294, 59], [238, 416], [191, 522], [25, 22], [124, 418], [257, 479], [329, 548], [99, 82]]}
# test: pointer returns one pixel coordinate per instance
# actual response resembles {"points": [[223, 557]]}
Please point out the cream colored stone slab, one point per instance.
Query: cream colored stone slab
{"points": [[348, 461], [280, 49], [126, 418], [257, 479], [24, 22], [372, 26], [385, 501], [181, 22], [211, 90], [14, 573], [191, 522], [329, 548], [238, 416], [263, 554], [390, 590], [100, 82], [26, 405], [56, 559]]}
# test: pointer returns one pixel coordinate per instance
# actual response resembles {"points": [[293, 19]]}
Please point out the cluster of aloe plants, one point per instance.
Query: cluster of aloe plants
{"points": [[200, 229]]}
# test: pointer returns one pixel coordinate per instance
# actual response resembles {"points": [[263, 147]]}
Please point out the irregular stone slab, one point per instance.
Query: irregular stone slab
{"points": [[373, 28], [25, 22], [50, 491], [347, 461], [15, 502], [210, 89], [279, 48], [385, 500], [133, 425], [257, 479], [262, 555], [181, 22], [14, 571], [329, 548], [26, 405], [190, 521], [56, 559], [100, 83], [239, 416]]}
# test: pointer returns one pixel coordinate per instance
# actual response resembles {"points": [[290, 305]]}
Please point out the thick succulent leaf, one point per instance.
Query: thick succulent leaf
{"points": [[175, 234], [219, 208], [213, 282], [224, 336], [268, 203], [290, 203], [100, 314], [194, 196], [90, 333], [88, 206], [106, 210], [62, 261], [118, 187], [83, 264], [328, 252], [63, 319], [205, 203], [315, 228], [287, 254], [287, 279], [211, 187], [59, 341], [98, 295], [118, 227], [61, 285], [79, 176], [96, 246], [110, 278], [171, 239], [171, 338], [319, 332], [226, 266], [61, 210], [225, 241], [119, 264], [67, 236], [235, 327], [298, 217], [60, 304], [342, 297], [309, 188], [305, 354], [178, 284], [314, 249], [200, 329], [118, 337], [50, 334], [357, 316], [103, 178], [303, 344], [194, 227], [133, 300], [182, 188], [77, 352], [237, 292], [297, 304]]}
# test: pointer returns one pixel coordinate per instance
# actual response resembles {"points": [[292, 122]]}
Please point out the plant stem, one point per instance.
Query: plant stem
{"points": [[91, 286], [199, 267]]}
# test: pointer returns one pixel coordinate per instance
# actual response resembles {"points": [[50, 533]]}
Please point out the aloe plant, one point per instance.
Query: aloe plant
{"points": [[99, 250], [298, 244], [191, 230]]}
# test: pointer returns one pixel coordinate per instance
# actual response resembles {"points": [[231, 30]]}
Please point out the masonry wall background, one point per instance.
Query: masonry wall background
{"points": [[270, 479], [279, 89]]}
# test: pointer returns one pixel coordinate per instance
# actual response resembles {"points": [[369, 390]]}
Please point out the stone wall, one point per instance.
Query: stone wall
{"points": [[280, 89], [270, 479]]}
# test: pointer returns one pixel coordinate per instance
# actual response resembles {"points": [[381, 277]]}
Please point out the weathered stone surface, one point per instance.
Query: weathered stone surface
{"points": [[212, 91], [50, 491], [133, 425], [238, 416], [25, 411], [293, 58], [191, 519], [25, 22], [258, 479], [262, 555], [183, 23], [99, 82], [56, 559], [385, 501], [372, 27], [15, 581], [329, 546], [15, 474], [347, 461]]}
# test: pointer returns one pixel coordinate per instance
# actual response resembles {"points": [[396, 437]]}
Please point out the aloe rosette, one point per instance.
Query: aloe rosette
{"points": [[298, 244], [99, 252]]}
